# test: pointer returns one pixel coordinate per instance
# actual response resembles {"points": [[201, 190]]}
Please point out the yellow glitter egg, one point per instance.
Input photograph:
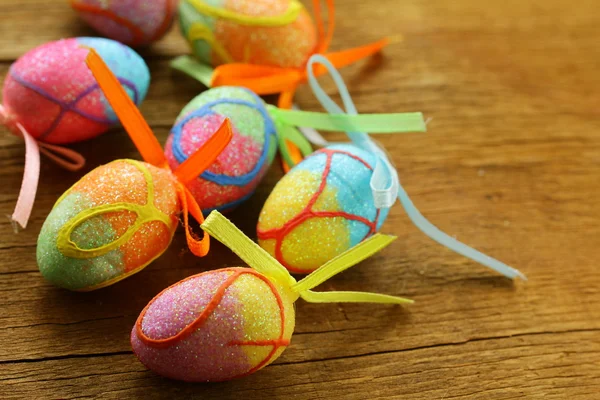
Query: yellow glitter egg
{"points": [[320, 209], [277, 33], [111, 224]]}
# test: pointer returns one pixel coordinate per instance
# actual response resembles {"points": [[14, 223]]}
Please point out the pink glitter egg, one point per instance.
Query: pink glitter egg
{"points": [[215, 326], [236, 173], [53, 94], [134, 22]]}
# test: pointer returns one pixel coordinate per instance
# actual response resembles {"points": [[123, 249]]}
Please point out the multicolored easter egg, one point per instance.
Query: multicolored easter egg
{"points": [[320, 209], [112, 223], [53, 94], [134, 22], [277, 33], [215, 326], [236, 172]]}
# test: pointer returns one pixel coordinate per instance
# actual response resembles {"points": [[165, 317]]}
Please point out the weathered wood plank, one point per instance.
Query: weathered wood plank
{"points": [[510, 165], [532, 366]]}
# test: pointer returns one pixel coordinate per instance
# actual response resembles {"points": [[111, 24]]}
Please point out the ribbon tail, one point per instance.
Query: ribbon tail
{"points": [[31, 176], [198, 247], [65, 158], [193, 68], [340, 263], [350, 56], [258, 78], [325, 36], [352, 297], [132, 120], [347, 259], [436, 234]]}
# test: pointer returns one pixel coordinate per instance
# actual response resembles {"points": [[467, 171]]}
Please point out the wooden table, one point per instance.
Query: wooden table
{"points": [[510, 165]]}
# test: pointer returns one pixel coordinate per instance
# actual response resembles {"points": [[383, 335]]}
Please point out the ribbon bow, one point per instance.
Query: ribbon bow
{"points": [[152, 152], [66, 158], [257, 258], [385, 182], [267, 79]]}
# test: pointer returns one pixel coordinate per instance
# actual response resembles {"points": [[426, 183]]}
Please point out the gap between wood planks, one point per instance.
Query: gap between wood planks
{"points": [[432, 346]]}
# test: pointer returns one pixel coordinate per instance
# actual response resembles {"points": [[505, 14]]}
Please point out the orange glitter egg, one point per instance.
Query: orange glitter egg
{"points": [[111, 224], [277, 33]]}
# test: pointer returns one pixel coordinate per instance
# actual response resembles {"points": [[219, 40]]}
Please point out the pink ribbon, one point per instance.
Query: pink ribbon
{"points": [[66, 158]]}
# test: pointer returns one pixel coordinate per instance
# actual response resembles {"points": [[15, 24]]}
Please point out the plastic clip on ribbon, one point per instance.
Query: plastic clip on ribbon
{"points": [[238, 320], [385, 182], [66, 158]]}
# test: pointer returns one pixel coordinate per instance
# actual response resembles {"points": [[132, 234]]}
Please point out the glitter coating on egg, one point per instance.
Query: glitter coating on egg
{"points": [[133, 22], [277, 33], [215, 326], [320, 209], [236, 172], [53, 94], [112, 223]]}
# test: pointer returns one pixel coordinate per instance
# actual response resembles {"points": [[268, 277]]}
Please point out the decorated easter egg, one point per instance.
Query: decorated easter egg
{"points": [[53, 94], [321, 208], [112, 223], [215, 326], [236, 172], [277, 33], [134, 22]]}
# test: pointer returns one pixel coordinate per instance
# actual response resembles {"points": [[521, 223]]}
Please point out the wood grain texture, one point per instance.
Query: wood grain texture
{"points": [[510, 165]]}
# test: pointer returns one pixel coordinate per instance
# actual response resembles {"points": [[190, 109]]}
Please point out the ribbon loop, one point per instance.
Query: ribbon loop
{"points": [[385, 182], [64, 157], [384, 186], [198, 247]]}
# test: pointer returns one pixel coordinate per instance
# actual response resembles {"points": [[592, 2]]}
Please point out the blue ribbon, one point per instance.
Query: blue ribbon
{"points": [[385, 182]]}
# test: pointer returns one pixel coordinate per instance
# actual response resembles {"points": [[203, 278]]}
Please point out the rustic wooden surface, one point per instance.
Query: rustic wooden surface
{"points": [[510, 165]]}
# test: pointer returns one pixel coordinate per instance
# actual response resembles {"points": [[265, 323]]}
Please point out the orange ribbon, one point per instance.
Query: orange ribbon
{"points": [[151, 151], [270, 80]]}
